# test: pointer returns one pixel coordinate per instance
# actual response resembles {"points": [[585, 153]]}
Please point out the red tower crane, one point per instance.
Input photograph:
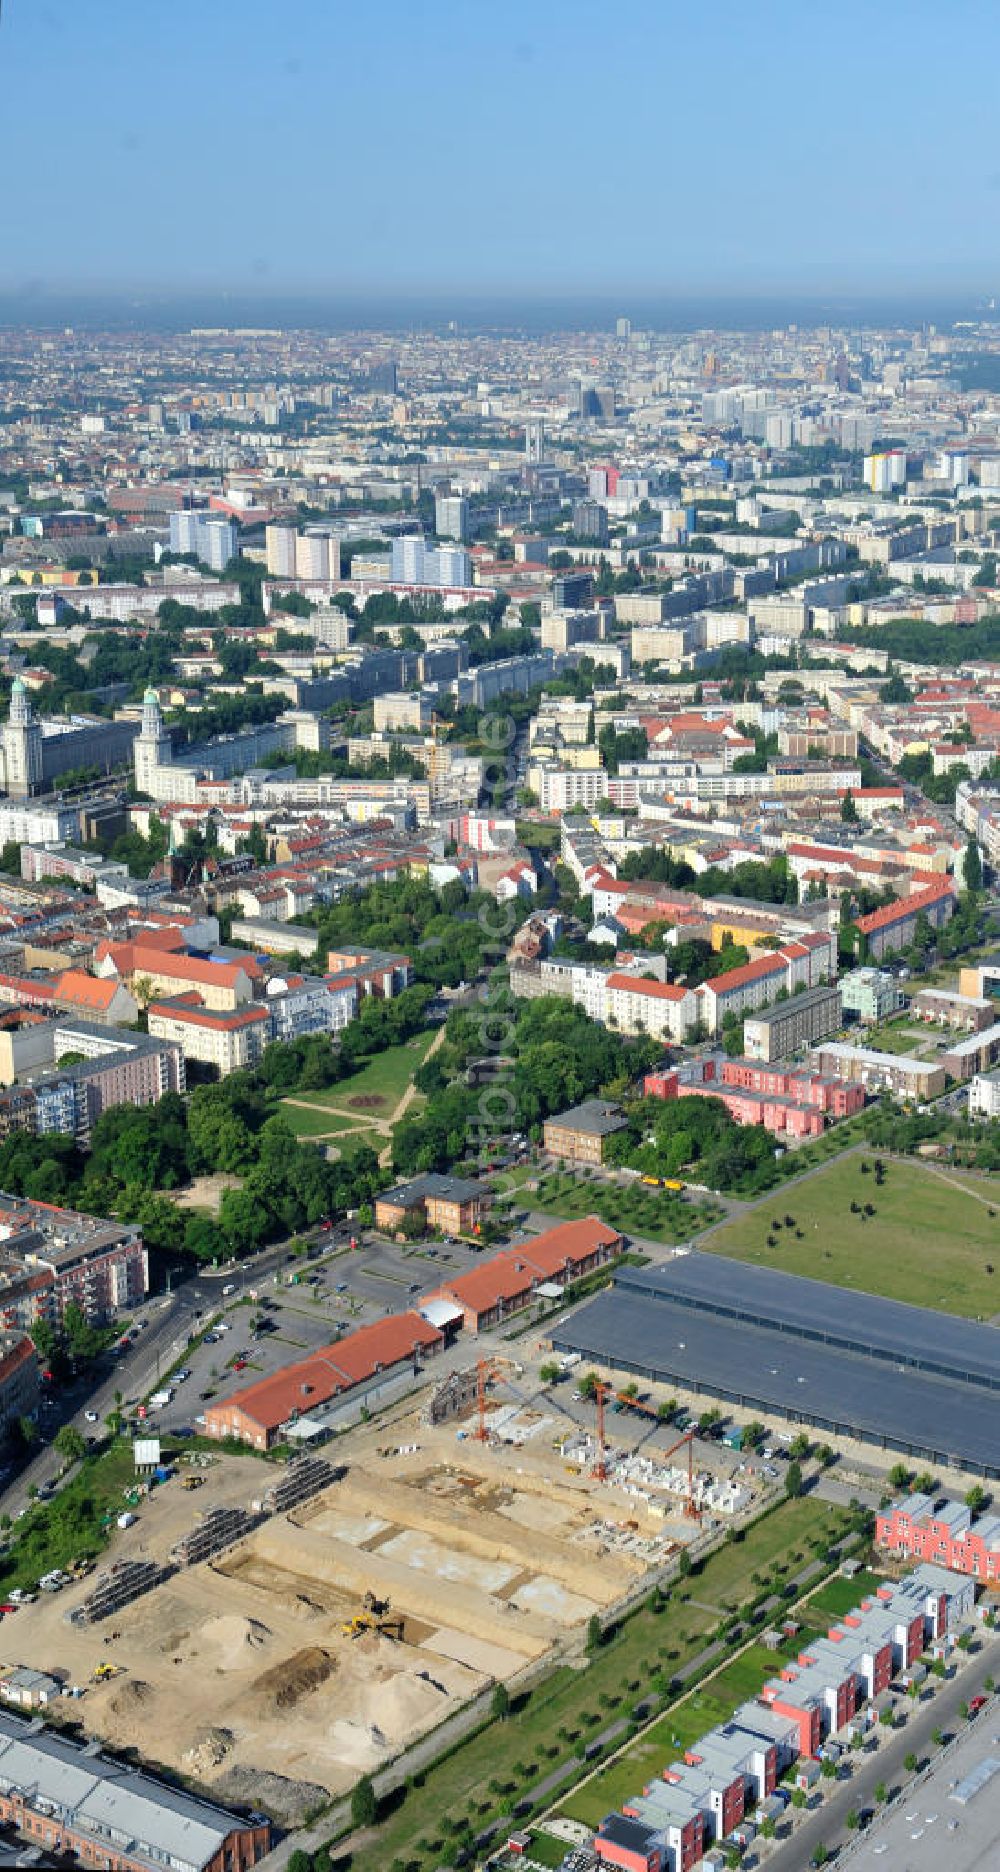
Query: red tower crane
{"points": [[602, 1392], [485, 1370]]}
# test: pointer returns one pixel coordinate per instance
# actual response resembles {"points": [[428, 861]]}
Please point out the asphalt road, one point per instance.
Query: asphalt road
{"points": [[826, 1823]]}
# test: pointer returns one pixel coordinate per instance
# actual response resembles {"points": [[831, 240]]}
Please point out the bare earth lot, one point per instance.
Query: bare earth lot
{"points": [[489, 1555]]}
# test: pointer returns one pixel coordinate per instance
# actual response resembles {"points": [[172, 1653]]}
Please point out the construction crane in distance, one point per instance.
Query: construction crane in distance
{"points": [[691, 1508], [602, 1392], [486, 1370]]}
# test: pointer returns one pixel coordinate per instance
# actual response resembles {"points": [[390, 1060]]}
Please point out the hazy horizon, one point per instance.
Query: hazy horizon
{"points": [[531, 314]]}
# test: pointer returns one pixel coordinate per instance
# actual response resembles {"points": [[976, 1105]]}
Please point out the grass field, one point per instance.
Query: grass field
{"points": [[385, 1077], [842, 1595], [350, 1141], [70, 1526], [307, 1123], [931, 1239], [655, 1213], [569, 1706], [381, 1083], [736, 1683], [902, 1039]]}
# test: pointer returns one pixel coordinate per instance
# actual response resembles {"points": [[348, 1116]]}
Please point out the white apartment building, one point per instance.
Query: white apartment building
{"points": [[279, 543], [666, 1010], [984, 1096], [228, 1041], [559, 789]]}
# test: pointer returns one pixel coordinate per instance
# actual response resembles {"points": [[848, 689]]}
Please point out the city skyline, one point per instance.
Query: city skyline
{"points": [[558, 154]]}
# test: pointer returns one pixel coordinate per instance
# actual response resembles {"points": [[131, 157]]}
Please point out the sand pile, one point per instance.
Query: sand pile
{"points": [[229, 1641], [397, 1705], [285, 1684]]}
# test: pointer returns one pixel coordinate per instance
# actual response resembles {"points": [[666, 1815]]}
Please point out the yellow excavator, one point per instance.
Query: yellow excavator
{"points": [[375, 1617], [103, 1673]]}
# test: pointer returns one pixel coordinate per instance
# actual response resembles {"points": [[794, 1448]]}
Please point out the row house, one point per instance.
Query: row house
{"points": [[702, 1799], [894, 926], [944, 1533]]}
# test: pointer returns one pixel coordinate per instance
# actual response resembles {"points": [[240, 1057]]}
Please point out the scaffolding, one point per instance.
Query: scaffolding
{"points": [[304, 1477], [221, 1528], [124, 1581]]}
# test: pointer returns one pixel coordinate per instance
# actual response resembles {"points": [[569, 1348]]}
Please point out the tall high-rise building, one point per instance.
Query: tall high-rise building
{"points": [[416, 563], [152, 747], [279, 543], [623, 328], [885, 471], [312, 556], [534, 439], [22, 745], [590, 521], [211, 537], [451, 517]]}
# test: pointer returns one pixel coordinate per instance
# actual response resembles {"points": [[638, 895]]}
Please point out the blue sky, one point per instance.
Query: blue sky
{"points": [[421, 146]]}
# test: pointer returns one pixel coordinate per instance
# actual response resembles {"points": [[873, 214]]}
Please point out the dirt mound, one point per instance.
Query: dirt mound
{"points": [[132, 1696], [284, 1685], [289, 1802], [366, 1101]]}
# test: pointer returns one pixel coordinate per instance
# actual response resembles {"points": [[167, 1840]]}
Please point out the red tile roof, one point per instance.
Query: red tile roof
{"points": [[137, 958], [334, 1368], [906, 907], [639, 984], [750, 972], [514, 1272]]}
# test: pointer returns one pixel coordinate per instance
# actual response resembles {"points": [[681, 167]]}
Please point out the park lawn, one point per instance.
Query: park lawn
{"points": [[738, 1682], [307, 1123], [384, 1077], [724, 1580], [350, 1142], [932, 1236], [775, 1548]]}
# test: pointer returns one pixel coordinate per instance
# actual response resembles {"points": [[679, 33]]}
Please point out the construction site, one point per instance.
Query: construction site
{"points": [[334, 1617]]}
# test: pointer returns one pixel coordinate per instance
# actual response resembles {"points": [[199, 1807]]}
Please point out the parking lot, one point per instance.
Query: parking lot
{"points": [[302, 1305]]}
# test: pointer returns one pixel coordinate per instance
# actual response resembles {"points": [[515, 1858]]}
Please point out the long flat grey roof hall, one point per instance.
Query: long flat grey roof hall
{"points": [[903, 1377]]}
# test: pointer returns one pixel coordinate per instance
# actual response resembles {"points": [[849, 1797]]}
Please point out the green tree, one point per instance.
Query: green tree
{"points": [[45, 1339], [364, 1805], [500, 1702], [848, 811], [973, 867], [595, 1634], [793, 1479], [69, 1442]]}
